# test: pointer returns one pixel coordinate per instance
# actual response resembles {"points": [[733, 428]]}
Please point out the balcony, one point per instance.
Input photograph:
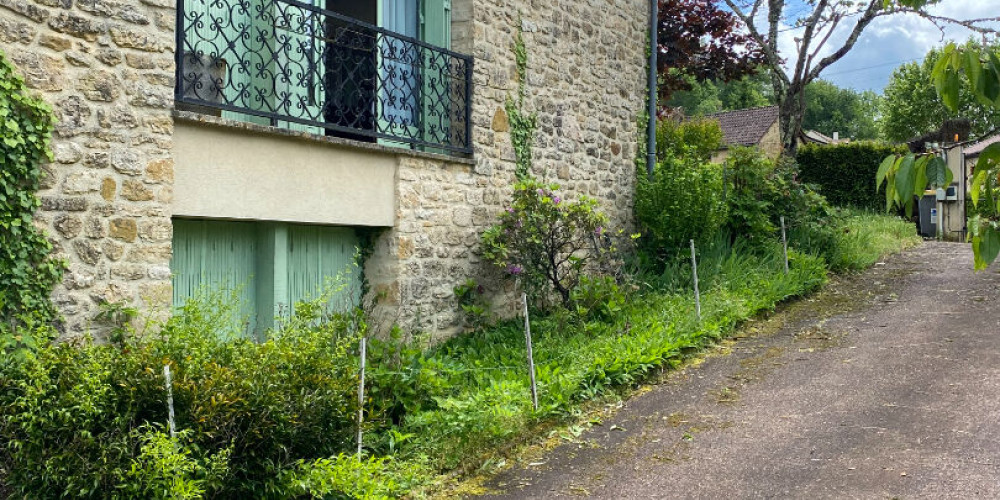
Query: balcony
{"points": [[293, 65]]}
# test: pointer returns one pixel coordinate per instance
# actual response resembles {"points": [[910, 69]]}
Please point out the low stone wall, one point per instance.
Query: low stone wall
{"points": [[106, 68]]}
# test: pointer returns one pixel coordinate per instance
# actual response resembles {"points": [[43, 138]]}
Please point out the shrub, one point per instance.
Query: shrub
{"points": [[762, 190], [546, 242], [845, 173], [247, 411], [682, 201], [27, 273], [698, 138]]}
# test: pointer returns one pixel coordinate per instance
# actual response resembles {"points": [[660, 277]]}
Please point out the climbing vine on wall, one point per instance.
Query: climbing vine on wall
{"points": [[522, 123], [27, 272]]}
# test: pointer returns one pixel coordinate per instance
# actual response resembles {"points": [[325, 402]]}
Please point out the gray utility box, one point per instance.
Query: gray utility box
{"points": [[928, 214]]}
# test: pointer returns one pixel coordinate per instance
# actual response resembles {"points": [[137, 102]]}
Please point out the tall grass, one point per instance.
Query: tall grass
{"points": [[855, 239]]}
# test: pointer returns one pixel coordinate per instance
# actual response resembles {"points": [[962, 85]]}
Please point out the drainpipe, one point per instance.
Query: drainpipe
{"points": [[651, 127]]}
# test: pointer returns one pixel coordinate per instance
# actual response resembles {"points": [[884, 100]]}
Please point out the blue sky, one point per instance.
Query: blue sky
{"points": [[889, 42]]}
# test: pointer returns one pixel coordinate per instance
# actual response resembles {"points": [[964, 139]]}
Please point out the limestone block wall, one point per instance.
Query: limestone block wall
{"points": [[106, 68], [586, 80]]}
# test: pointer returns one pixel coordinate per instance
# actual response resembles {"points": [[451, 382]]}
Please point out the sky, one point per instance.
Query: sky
{"points": [[888, 42]]}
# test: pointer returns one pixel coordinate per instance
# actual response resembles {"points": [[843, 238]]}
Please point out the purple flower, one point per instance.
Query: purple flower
{"points": [[599, 230], [519, 223], [514, 269], [510, 210], [556, 200]]}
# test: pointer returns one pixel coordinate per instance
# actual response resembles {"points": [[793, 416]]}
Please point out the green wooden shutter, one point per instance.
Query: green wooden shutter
{"points": [[320, 256], [435, 108], [213, 256]]}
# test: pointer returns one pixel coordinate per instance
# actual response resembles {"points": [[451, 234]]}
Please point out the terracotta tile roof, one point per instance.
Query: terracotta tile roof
{"points": [[746, 127], [977, 147]]}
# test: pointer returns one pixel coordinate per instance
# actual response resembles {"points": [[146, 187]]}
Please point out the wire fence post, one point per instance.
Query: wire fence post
{"points": [[361, 393], [694, 273], [784, 242], [531, 359], [170, 401]]}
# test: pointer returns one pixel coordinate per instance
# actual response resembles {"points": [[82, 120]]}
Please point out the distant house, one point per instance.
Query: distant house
{"points": [[749, 127], [814, 137]]}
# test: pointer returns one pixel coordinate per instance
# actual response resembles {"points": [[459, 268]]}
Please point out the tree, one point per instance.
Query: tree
{"points": [[713, 96], [697, 41], [911, 105], [976, 70], [830, 109], [817, 24]]}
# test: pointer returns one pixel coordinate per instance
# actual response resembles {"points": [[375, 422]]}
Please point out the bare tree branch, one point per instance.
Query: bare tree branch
{"points": [[870, 13], [770, 48]]}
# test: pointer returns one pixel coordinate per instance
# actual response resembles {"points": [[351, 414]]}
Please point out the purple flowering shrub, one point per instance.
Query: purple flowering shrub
{"points": [[549, 243]]}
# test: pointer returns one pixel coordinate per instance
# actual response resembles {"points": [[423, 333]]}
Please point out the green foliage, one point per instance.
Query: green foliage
{"points": [[598, 298], [683, 201], [170, 469], [697, 138], [852, 239], [472, 300], [27, 273], [714, 96], [911, 106], [830, 109], [907, 176], [522, 123], [845, 173], [246, 410], [344, 477], [546, 242], [762, 190]]}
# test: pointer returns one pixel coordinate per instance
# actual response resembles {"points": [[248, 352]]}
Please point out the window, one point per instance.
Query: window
{"points": [[270, 266]]}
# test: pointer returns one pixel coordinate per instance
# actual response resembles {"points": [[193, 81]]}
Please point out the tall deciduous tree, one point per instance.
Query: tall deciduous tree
{"points": [[911, 105], [830, 109], [711, 96], [815, 52], [698, 41]]}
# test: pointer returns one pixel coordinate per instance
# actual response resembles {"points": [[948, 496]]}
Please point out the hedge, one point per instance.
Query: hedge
{"points": [[845, 173]]}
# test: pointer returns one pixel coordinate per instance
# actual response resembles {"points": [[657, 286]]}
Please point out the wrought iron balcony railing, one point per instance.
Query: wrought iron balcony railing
{"points": [[291, 64]]}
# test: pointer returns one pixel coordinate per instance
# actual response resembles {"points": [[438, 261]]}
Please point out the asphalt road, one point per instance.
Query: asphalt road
{"points": [[886, 385]]}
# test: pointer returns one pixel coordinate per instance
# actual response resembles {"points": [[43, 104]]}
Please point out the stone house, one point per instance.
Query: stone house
{"points": [[749, 127], [257, 144]]}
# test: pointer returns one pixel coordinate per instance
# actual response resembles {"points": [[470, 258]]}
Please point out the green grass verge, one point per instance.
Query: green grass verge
{"points": [[484, 399]]}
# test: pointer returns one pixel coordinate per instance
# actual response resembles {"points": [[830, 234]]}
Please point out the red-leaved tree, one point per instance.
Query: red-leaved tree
{"points": [[696, 39]]}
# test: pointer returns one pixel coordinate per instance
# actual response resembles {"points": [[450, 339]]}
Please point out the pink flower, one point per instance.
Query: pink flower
{"points": [[514, 269], [556, 200]]}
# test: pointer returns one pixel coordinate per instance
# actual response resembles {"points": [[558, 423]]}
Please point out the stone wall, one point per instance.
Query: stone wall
{"points": [[106, 68], [586, 79]]}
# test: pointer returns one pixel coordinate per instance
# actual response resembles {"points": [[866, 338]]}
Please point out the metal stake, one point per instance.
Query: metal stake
{"points": [[784, 242], [361, 393], [694, 272], [531, 359], [170, 402]]}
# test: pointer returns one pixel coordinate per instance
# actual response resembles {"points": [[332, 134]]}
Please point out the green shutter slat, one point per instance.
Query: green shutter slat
{"points": [[317, 255], [214, 256]]}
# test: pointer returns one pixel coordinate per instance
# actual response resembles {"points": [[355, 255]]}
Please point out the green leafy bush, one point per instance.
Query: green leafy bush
{"points": [[547, 242], [697, 138], [845, 173], [247, 411], [27, 273], [683, 201], [762, 190]]}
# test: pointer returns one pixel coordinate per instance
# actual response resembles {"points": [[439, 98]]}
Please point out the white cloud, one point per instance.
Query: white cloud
{"points": [[888, 42]]}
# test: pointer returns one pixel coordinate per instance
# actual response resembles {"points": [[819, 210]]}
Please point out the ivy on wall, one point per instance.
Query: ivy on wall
{"points": [[27, 272], [522, 123]]}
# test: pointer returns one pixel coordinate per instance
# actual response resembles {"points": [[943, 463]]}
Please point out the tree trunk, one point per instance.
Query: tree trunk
{"points": [[791, 109]]}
